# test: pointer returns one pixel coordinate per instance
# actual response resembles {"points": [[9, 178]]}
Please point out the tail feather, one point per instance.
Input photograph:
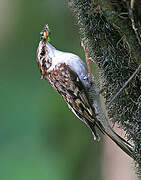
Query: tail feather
{"points": [[102, 122], [122, 143]]}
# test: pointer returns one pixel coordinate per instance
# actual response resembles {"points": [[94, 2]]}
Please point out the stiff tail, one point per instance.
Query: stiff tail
{"points": [[102, 123], [122, 143]]}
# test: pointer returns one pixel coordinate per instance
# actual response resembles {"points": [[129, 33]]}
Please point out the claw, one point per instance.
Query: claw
{"points": [[88, 59]]}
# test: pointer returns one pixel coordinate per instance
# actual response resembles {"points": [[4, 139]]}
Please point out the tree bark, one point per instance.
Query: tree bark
{"points": [[111, 30]]}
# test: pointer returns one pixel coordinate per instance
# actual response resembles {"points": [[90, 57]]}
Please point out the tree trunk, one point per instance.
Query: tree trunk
{"points": [[111, 30]]}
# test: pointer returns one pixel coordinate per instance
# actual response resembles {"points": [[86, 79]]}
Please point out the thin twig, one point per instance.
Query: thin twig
{"points": [[131, 77]]}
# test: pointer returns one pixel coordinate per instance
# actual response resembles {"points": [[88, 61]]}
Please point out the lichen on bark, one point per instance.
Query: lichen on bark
{"points": [[111, 31]]}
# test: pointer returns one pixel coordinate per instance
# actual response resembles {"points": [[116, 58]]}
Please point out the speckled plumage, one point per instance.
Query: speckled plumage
{"points": [[59, 69], [68, 75]]}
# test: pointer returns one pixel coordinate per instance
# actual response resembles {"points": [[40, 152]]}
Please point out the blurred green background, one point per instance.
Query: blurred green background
{"points": [[39, 137]]}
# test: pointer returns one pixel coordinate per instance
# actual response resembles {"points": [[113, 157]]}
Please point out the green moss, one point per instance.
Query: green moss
{"points": [[113, 45]]}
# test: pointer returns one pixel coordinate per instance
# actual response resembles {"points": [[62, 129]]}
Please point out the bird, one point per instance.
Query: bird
{"points": [[70, 77]]}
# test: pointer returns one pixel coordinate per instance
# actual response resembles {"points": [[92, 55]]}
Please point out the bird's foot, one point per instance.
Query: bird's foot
{"points": [[88, 59]]}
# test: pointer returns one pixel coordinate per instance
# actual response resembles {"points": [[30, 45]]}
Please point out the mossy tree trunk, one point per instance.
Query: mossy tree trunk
{"points": [[111, 30]]}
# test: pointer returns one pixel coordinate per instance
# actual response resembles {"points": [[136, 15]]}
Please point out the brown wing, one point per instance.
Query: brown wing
{"points": [[80, 102], [68, 84], [70, 87]]}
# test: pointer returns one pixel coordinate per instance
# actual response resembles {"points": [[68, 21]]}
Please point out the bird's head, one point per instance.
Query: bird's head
{"points": [[43, 58], [45, 34]]}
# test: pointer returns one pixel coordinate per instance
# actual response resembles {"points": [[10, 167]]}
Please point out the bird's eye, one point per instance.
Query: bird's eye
{"points": [[42, 52]]}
